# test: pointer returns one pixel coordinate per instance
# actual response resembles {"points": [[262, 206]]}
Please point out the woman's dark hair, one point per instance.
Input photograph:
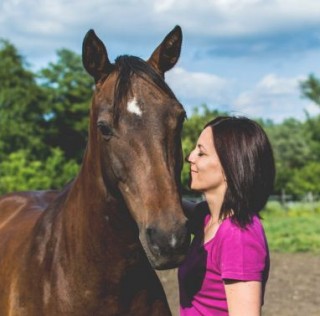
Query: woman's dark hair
{"points": [[247, 159]]}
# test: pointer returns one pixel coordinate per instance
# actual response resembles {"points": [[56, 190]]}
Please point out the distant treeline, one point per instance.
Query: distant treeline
{"points": [[44, 122]]}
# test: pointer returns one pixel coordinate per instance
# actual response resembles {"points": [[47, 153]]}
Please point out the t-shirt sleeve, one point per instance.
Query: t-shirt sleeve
{"points": [[243, 253]]}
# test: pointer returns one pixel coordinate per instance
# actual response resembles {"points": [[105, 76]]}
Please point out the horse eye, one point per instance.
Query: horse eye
{"points": [[105, 130]]}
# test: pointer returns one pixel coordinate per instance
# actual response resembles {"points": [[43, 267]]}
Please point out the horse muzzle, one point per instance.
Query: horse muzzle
{"points": [[165, 249]]}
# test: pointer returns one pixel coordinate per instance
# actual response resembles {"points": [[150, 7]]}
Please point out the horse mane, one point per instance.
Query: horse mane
{"points": [[128, 66]]}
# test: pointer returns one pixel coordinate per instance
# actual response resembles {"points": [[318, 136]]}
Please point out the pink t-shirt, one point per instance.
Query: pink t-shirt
{"points": [[234, 253]]}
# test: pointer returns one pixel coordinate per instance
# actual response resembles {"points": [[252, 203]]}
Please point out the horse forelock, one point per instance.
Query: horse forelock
{"points": [[128, 66]]}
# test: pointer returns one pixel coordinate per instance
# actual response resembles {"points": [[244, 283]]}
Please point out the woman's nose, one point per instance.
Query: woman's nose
{"points": [[189, 157]]}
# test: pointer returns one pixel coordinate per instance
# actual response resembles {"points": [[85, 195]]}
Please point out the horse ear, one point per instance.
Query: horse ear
{"points": [[167, 53], [95, 57]]}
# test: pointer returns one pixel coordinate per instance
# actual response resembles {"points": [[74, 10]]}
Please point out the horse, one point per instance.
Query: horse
{"points": [[92, 247]]}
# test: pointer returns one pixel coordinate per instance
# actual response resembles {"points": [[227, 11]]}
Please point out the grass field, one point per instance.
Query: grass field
{"points": [[293, 228]]}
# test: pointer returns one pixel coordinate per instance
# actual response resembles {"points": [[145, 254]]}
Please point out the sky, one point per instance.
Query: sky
{"points": [[246, 57]]}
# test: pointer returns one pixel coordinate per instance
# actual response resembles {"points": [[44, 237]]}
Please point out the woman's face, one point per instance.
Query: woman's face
{"points": [[206, 172]]}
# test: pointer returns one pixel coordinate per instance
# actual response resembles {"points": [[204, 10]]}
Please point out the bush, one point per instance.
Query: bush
{"points": [[294, 228], [17, 173]]}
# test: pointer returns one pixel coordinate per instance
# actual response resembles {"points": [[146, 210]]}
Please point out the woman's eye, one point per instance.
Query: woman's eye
{"points": [[200, 154]]}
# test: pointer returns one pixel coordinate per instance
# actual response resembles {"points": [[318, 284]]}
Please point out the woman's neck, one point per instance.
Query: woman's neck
{"points": [[211, 227], [215, 200]]}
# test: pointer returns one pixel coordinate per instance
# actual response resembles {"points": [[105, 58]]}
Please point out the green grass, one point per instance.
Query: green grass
{"points": [[294, 228]]}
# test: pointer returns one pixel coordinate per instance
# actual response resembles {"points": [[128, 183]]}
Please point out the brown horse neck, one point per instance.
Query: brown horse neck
{"points": [[84, 237], [85, 211]]}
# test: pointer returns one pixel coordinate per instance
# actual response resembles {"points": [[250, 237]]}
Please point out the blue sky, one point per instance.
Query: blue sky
{"points": [[243, 56]]}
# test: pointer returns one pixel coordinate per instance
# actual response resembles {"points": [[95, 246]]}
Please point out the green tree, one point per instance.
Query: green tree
{"points": [[20, 173], [291, 145], [69, 90], [41, 120], [306, 179], [21, 105], [310, 89], [312, 125]]}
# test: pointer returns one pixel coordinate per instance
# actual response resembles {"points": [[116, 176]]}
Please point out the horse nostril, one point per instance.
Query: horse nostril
{"points": [[153, 239], [164, 242], [152, 235]]}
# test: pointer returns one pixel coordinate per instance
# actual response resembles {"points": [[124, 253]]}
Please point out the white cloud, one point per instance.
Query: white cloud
{"points": [[163, 5], [196, 88], [207, 17], [273, 97], [239, 17], [272, 84], [237, 32], [35, 24]]}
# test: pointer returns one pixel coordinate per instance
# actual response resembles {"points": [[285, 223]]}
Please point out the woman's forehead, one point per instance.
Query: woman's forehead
{"points": [[206, 138], [206, 133]]}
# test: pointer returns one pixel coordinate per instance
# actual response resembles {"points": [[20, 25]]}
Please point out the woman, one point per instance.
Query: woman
{"points": [[226, 269]]}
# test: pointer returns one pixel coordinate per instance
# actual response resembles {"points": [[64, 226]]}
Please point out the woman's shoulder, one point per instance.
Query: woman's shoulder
{"points": [[255, 223], [238, 248], [232, 233]]}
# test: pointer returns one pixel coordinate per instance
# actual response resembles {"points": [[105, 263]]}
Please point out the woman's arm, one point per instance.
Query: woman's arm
{"points": [[243, 297]]}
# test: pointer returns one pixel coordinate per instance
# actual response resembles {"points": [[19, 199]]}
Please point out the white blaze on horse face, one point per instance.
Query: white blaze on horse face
{"points": [[133, 107]]}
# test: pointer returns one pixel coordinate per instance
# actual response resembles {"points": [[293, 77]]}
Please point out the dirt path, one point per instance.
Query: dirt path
{"points": [[293, 288]]}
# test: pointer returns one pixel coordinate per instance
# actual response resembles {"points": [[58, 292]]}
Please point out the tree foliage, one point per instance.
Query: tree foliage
{"points": [[305, 179], [44, 122], [69, 89], [291, 146], [19, 173], [310, 89], [21, 105]]}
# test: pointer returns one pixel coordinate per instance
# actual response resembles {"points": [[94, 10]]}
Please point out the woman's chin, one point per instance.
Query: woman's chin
{"points": [[193, 187]]}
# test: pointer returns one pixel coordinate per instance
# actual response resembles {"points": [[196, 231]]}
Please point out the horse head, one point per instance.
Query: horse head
{"points": [[135, 128]]}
